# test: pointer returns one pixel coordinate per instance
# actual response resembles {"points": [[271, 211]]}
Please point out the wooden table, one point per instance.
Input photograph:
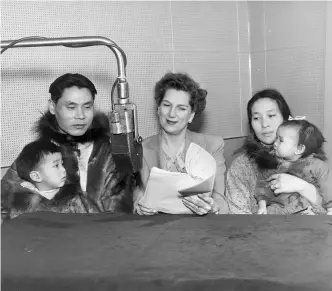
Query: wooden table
{"points": [[49, 251]]}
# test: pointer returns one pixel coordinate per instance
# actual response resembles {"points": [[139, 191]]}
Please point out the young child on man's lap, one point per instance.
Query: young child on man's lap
{"points": [[43, 186]]}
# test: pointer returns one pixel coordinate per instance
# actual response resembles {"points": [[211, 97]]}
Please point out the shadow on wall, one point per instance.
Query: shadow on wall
{"points": [[22, 74], [231, 144], [3, 171], [198, 123]]}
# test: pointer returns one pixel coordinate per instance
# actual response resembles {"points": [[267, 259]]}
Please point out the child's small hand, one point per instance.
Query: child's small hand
{"points": [[262, 207], [262, 210]]}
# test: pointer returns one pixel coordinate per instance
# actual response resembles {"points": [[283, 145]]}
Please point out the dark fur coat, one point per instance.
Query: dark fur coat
{"points": [[67, 200], [107, 189]]}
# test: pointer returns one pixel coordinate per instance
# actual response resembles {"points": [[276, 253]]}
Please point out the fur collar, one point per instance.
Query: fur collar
{"points": [[261, 154], [47, 127], [26, 199], [264, 156]]}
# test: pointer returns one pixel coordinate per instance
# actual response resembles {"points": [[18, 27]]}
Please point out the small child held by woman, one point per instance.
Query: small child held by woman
{"points": [[44, 186], [298, 150]]}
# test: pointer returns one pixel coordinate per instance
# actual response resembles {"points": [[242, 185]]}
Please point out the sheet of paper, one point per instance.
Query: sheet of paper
{"points": [[201, 166], [203, 186], [165, 190], [161, 192]]}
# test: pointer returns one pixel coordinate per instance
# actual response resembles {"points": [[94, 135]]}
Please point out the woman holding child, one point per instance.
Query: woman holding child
{"points": [[179, 99], [267, 110]]}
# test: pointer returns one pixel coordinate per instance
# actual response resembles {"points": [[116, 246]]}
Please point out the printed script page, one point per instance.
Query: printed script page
{"points": [[165, 190]]}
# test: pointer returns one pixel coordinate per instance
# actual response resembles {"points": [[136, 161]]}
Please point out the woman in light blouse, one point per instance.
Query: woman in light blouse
{"points": [[179, 99]]}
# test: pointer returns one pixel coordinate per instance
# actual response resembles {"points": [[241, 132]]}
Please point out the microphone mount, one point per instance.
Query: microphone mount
{"points": [[123, 115]]}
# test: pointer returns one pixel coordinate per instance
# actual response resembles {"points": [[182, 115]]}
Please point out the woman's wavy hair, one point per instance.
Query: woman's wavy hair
{"points": [[309, 136], [181, 82], [273, 95]]}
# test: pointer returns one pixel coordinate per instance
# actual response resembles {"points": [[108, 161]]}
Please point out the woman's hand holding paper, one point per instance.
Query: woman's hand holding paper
{"points": [[144, 210], [201, 204], [201, 164]]}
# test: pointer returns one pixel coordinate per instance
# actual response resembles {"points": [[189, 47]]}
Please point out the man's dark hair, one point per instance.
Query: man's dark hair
{"points": [[32, 155], [67, 81]]}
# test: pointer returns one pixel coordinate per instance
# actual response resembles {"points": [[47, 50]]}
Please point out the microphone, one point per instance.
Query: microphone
{"points": [[125, 141]]}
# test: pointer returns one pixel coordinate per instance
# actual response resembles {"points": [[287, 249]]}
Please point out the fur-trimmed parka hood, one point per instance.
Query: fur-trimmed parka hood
{"points": [[47, 127]]}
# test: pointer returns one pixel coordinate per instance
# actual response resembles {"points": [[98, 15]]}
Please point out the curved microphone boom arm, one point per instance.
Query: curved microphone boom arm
{"points": [[125, 140]]}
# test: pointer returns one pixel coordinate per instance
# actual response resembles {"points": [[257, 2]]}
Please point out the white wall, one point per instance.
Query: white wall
{"points": [[209, 40], [328, 84], [289, 46], [287, 40]]}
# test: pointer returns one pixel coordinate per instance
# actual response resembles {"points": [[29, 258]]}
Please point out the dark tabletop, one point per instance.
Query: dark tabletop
{"points": [[49, 251]]}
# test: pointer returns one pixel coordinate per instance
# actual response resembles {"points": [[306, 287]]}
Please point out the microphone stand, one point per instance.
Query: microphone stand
{"points": [[125, 140]]}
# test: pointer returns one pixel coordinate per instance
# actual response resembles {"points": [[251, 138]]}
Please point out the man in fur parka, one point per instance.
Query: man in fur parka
{"points": [[83, 136]]}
